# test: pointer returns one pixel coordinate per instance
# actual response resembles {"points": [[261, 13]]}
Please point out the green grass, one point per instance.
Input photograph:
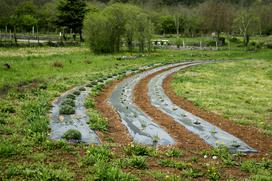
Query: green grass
{"points": [[34, 81], [239, 91]]}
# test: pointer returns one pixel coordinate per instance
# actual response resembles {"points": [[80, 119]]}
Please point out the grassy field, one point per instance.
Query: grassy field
{"points": [[240, 91], [38, 75]]}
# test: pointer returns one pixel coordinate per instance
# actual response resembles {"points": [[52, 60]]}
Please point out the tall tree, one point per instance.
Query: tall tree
{"points": [[71, 14]]}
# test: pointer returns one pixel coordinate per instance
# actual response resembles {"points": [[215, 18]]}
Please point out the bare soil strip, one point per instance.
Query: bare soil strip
{"points": [[117, 131], [251, 135]]}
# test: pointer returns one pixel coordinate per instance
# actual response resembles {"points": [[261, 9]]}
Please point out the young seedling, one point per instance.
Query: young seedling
{"points": [[213, 131], [235, 144], [155, 140]]}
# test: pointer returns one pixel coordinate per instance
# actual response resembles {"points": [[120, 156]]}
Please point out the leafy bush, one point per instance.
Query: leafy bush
{"points": [[69, 102], [67, 110], [71, 96], [72, 135], [77, 93], [82, 89]]}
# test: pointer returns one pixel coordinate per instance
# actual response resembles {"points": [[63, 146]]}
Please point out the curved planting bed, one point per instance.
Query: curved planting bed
{"points": [[66, 117], [211, 134], [69, 117], [140, 126]]}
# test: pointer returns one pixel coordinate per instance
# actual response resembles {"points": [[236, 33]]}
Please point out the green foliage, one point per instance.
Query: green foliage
{"points": [[38, 172], [97, 121], [192, 173], [138, 162], [96, 154], [173, 152], [72, 134], [213, 173], [7, 149], [71, 14], [76, 93], [139, 150], [107, 172], [66, 109], [68, 101], [126, 22], [174, 164]]}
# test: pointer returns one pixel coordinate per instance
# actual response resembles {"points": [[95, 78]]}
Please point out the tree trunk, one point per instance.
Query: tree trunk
{"points": [[15, 37], [246, 40]]}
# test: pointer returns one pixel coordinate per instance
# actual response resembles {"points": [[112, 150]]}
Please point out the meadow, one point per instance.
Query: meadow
{"points": [[38, 75]]}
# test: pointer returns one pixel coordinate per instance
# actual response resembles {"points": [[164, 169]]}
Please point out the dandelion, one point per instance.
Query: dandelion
{"points": [[205, 156]]}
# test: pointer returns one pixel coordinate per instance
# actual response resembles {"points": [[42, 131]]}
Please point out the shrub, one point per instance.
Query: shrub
{"points": [[67, 110], [82, 89], [77, 93], [69, 102], [71, 96], [72, 134]]}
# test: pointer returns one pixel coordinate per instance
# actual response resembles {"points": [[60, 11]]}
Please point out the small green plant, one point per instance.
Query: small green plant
{"points": [[107, 172], [173, 152], [82, 89], [89, 104], [71, 96], [139, 150], [77, 93], [192, 173], [67, 110], [138, 162], [174, 164], [96, 154], [213, 131], [69, 102], [72, 134], [213, 173], [97, 122]]}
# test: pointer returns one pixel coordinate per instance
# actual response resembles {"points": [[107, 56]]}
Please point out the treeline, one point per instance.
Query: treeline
{"points": [[145, 17]]}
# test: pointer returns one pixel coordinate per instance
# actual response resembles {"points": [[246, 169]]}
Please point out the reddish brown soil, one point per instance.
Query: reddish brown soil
{"points": [[117, 131], [184, 138], [249, 134]]}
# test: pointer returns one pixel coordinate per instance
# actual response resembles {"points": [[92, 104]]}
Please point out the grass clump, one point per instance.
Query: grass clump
{"points": [[67, 110], [72, 135], [96, 154], [140, 150], [173, 152], [174, 164], [107, 172], [138, 162]]}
